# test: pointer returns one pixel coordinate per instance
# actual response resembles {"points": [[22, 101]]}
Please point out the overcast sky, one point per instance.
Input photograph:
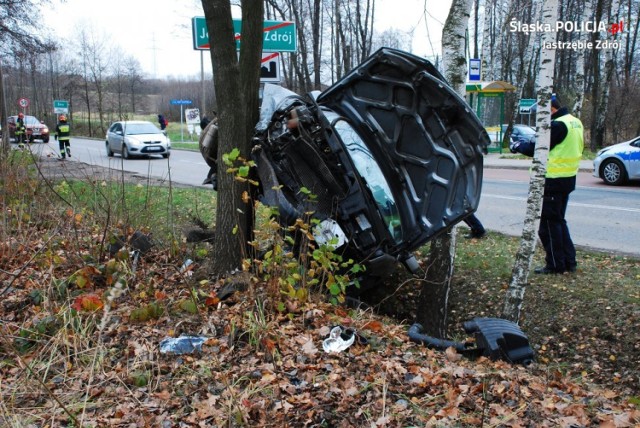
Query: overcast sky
{"points": [[158, 32]]}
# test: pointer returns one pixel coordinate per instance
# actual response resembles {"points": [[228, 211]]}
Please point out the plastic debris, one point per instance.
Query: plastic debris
{"points": [[339, 340], [182, 345], [186, 264]]}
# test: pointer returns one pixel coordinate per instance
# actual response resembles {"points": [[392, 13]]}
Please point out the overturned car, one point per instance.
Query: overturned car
{"points": [[392, 155]]}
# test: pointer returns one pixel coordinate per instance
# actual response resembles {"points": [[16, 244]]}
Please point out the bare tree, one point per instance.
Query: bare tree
{"points": [[17, 17], [236, 83], [600, 125], [580, 80], [435, 292], [524, 256]]}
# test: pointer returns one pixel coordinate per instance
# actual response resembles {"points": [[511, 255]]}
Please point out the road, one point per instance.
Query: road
{"points": [[185, 167], [599, 216]]}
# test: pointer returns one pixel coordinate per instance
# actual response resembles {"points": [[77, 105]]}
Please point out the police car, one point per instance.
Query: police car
{"points": [[618, 163]]}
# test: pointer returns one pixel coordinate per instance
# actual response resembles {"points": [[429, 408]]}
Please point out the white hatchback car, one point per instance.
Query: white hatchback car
{"points": [[618, 163], [136, 138]]}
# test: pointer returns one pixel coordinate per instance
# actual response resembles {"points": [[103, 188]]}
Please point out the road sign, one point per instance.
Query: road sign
{"points": [[474, 70], [278, 36], [60, 107], [180, 102], [270, 67], [23, 102], [526, 104]]}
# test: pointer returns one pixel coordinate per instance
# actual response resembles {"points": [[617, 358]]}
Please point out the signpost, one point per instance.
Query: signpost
{"points": [[181, 103], [474, 70], [526, 104], [23, 103], [270, 67], [278, 36], [60, 107]]}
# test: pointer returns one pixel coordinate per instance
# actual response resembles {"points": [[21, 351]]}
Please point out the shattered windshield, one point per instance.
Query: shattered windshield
{"points": [[372, 175]]}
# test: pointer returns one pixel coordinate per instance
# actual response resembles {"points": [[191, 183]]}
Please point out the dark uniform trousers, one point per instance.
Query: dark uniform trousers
{"points": [[553, 230]]}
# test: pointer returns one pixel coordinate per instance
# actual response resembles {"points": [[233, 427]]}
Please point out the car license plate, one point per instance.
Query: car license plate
{"points": [[36, 132], [154, 149]]}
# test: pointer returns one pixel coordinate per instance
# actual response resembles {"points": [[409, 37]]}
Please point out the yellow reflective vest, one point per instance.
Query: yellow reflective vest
{"points": [[564, 158]]}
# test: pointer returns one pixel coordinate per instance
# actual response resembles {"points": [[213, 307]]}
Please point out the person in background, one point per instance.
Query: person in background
{"points": [[477, 229], [21, 130], [163, 122], [63, 136], [565, 152]]}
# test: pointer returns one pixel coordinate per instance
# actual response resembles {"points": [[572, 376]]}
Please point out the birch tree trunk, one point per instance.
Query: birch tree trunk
{"points": [[581, 82], [487, 39], [434, 296], [598, 138], [544, 88]]}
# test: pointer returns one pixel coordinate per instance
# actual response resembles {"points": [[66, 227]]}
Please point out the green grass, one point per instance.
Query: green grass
{"points": [[185, 146], [161, 208]]}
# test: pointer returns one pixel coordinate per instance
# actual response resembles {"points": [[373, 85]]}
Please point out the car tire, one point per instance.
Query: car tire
{"points": [[612, 172], [125, 152], [45, 140], [109, 151], [166, 155]]}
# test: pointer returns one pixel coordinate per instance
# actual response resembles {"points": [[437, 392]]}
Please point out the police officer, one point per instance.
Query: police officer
{"points": [[21, 130], [567, 143], [63, 132]]}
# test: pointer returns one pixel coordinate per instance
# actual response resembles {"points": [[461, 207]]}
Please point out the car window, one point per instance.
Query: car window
{"points": [[371, 173], [526, 130], [115, 128], [141, 128], [30, 120]]}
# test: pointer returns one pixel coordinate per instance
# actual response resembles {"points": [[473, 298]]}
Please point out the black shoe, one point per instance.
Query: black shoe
{"points": [[546, 270], [476, 235], [572, 268]]}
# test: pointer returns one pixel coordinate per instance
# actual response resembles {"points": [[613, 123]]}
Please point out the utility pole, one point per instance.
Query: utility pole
{"points": [[203, 101]]}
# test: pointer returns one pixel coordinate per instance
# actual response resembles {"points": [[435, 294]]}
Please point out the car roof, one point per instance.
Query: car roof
{"points": [[131, 122]]}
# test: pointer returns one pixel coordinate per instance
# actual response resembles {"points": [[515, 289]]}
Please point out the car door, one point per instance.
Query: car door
{"points": [[633, 160], [115, 137]]}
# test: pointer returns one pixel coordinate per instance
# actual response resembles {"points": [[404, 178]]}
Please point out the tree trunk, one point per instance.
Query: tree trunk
{"points": [[433, 300], [524, 256], [236, 85], [580, 81], [598, 137]]}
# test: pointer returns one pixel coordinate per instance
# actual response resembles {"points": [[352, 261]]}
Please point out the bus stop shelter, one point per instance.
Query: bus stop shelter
{"points": [[487, 100]]}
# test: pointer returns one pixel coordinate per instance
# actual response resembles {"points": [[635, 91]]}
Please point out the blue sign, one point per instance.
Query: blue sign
{"points": [[179, 102], [474, 70]]}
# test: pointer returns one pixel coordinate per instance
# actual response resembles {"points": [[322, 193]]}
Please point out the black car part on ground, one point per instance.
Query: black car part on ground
{"points": [[495, 338], [392, 155]]}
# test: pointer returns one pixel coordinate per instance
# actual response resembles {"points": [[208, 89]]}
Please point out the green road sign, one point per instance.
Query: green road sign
{"points": [[278, 36], [60, 107], [526, 104]]}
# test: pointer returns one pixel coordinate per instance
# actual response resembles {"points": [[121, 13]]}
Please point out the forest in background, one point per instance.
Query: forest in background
{"points": [[103, 82]]}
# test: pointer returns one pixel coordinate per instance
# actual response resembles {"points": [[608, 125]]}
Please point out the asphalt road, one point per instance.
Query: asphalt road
{"points": [[599, 216]]}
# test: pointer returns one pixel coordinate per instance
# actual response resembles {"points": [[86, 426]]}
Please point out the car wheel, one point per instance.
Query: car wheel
{"points": [[612, 172], [109, 151], [165, 155], [45, 140], [125, 152]]}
